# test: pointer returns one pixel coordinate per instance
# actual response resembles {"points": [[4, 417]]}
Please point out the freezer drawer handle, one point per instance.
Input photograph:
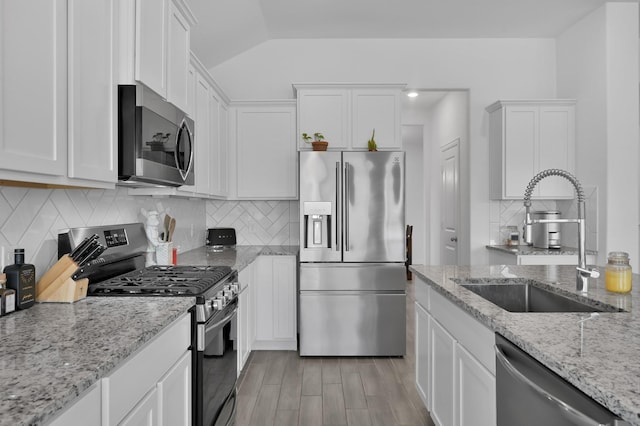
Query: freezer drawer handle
{"points": [[575, 415]]}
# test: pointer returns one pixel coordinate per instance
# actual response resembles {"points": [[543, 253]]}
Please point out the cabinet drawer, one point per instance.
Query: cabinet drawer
{"points": [[475, 337], [140, 372]]}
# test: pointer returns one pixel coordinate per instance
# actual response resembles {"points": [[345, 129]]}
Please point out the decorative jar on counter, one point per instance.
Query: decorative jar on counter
{"points": [[618, 272]]}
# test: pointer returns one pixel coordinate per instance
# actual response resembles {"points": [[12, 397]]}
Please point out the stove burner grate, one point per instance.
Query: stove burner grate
{"points": [[163, 281]]}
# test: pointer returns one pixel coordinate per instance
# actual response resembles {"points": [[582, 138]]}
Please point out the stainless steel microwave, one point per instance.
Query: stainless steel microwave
{"points": [[155, 140]]}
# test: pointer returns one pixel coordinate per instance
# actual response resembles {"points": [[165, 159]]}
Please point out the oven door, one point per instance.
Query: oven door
{"points": [[216, 371]]}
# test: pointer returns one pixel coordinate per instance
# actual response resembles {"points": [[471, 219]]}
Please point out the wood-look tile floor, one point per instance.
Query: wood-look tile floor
{"points": [[280, 388]]}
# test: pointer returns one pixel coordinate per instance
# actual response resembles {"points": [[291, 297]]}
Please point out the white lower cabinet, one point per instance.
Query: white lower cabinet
{"points": [[442, 365], [85, 411], [246, 316], [476, 402], [145, 413], [422, 354], [455, 365], [276, 313]]}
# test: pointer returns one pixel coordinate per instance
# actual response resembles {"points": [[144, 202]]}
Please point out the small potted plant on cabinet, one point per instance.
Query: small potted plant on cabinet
{"points": [[317, 141], [371, 143]]}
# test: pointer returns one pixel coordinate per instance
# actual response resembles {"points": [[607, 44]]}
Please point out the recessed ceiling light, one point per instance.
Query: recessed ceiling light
{"points": [[412, 94]]}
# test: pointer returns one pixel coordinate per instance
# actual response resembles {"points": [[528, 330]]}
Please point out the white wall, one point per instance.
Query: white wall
{"points": [[598, 66], [413, 143], [490, 68], [448, 121]]}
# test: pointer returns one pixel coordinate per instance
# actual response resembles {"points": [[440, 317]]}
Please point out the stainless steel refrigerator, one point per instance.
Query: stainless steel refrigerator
{"points": [[352, 299]]}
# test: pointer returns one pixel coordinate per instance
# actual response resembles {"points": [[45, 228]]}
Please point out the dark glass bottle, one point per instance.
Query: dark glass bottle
{"points": [[7, 297], [21, 277]]}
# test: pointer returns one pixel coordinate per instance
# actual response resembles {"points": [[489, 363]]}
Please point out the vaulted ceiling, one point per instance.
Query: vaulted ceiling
{"points": [[226, 28]]}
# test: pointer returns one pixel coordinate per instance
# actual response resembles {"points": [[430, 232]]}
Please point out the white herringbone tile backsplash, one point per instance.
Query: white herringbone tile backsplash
{"points": [[257, 222], [31, 218]]}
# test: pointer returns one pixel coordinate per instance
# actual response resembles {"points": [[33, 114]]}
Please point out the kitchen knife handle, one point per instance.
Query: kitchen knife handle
{"points": [[337, 206], [346, 206]]}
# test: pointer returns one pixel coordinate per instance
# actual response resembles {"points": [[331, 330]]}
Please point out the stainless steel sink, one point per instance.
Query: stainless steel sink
{"points": [[529, 296]]}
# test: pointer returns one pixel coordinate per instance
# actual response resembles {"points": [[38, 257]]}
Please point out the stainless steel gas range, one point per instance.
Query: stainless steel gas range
{"points": [[121, 272]]}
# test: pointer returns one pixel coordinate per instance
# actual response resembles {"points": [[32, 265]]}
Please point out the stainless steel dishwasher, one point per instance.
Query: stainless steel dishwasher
{"points": [[529, 394]]}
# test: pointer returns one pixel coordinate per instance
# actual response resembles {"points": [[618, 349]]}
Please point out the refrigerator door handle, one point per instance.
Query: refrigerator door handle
{"points": [[337, 226], [346, 206]]}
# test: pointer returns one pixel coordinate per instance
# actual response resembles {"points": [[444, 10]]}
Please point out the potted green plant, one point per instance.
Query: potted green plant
{"points": [[371, 143], [317, 141]]}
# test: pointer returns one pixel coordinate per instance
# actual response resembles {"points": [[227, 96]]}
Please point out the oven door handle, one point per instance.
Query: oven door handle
{"points": [[203, 329], [208, 328]]}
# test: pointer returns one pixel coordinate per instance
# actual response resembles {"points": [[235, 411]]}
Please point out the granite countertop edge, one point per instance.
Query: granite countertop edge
{"points": [[54, 352], [593, 354], [526, 250]]}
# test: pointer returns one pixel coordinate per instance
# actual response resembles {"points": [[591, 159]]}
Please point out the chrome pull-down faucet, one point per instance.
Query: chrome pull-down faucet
{"points": [[582, 272]]}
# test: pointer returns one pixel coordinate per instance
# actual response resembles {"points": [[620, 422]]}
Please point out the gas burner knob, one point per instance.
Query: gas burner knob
{"points": [[235, 288], [226, 287], [218, 304], [221, 295], [228, 294]]}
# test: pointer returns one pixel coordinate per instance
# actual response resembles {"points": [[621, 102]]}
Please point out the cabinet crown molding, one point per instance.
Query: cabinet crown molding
{"points": [[499, 104], [347, 85]]}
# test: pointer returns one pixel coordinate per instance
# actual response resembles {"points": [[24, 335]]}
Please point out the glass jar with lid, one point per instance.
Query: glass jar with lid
{"points": [[618, 272]]}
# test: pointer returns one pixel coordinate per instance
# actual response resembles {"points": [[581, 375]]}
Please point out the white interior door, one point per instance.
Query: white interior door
{"points": [[449, 202]]}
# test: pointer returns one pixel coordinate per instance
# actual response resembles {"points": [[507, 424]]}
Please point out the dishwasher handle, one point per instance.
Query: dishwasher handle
{"points": [[575, 415]]}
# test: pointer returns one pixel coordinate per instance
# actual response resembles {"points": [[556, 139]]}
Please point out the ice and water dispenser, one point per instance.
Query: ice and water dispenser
{"points": [[317, 224]]}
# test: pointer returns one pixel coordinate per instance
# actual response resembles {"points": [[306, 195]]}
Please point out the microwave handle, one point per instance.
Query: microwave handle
{"points": [[184, 169]]}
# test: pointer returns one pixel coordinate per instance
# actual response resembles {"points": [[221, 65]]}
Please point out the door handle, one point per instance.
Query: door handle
{"points": [[346, 206], [454, 239], [338, 208]]}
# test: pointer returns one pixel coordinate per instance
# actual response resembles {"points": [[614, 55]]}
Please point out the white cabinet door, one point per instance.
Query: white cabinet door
{"points": [[191, 91], [178, 51], [556, 148], [33, 112], [284, 301], [145, 413], [476, 391], [324, 111], [527, 137], [92, 96], [85, 411], [174, 393], [214, 159], [377, 109], [223, 154], [246, 318], [151, 44], [202, 147], [422, 354], [442, 372], [266, 152], [275, 289], [521, 136]]}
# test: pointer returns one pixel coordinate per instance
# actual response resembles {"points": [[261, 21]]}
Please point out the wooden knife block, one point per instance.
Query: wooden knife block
{"points": [[56, 284]]}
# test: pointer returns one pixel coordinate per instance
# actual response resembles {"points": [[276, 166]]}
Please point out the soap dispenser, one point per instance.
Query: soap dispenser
{"points": [[21, 277]]}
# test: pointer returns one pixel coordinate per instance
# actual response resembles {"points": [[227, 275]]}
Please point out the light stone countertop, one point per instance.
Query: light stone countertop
{"points": [[526, 250], [598, 355], [52, 352]]}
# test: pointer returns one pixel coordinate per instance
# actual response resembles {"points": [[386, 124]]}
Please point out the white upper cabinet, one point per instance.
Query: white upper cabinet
{"points": [[58, 92], [526, 137], [325, 111], [92, 91], [346, 114], [151, 44], [178, 52], [162, 47], [377, 109], [33, 113], [266, 155]]}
